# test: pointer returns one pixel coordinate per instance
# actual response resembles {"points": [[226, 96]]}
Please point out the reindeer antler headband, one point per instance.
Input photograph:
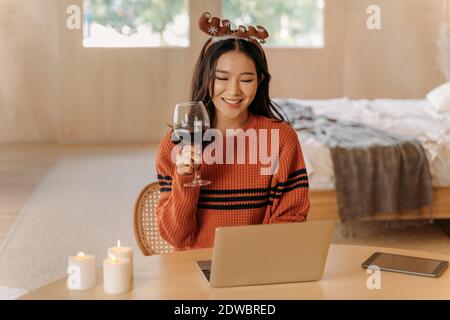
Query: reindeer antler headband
{"points": [[221, 30]]}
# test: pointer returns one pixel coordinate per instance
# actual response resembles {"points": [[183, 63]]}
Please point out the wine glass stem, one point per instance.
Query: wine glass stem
{"points": [[196, 175]]}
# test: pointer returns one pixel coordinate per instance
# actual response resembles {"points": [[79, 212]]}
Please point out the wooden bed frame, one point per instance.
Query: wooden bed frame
{"points": [[324, 207]]}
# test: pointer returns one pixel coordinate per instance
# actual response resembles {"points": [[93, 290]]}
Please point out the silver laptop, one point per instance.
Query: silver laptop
{"points": [[268, 254]]}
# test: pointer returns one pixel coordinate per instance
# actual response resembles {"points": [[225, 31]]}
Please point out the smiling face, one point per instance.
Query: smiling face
{"points": [[235, 86]]}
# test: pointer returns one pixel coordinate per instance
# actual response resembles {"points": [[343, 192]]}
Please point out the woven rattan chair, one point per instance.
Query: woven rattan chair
{"points": [[145, 228]]}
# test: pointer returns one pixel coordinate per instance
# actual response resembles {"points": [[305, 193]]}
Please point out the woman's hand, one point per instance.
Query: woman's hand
{"points": [[187, 160]]}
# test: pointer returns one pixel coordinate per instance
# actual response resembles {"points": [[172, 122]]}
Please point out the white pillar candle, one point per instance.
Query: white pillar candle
{"points": [[81, 272], [116, 277], [123, 252]]}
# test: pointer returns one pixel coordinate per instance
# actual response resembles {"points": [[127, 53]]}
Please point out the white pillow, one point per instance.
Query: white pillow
{"points": [[440, 97]]}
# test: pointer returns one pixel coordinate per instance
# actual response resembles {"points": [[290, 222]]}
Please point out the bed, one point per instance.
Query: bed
{"points": [[411, 118]]}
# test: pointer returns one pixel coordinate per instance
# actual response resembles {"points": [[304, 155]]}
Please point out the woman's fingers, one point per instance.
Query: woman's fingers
{"points": [[188, 159], [190, 156], [185, 170], [195, 154]]}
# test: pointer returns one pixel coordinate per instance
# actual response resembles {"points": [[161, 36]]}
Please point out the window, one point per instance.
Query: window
{"points": [[135, 23], [293, 23]]}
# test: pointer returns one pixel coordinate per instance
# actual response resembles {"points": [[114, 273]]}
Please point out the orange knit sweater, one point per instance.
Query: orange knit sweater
{"points": [[238, 195]]}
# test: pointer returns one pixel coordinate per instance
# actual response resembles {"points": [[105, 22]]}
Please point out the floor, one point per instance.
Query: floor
{"points": [[22, 167]]}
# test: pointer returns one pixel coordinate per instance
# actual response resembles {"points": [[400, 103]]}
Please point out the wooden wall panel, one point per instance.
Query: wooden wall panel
{"points": [[30, 91]]}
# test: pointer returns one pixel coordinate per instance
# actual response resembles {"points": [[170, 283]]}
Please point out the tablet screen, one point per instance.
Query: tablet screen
{"points": [[405, 263]]}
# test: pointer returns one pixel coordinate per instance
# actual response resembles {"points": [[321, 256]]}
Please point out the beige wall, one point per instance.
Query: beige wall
{"points": [[399, 61], [53, 89], [123, 94], [30, 69]]}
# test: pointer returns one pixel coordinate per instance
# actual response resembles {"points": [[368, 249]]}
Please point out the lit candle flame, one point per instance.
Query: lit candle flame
{"points": [[81, 254], [118, 243]]}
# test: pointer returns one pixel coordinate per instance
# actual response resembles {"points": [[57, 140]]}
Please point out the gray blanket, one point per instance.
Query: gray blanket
{"points": [[375, 171]]}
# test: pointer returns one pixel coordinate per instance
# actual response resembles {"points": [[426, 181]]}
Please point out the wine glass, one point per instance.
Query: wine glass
{"points": [[190, 121]]}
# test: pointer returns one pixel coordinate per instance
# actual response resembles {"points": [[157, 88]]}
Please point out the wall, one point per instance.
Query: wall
{"points": [[123, 94], [53, 89], [399, 61], [30, 69]]}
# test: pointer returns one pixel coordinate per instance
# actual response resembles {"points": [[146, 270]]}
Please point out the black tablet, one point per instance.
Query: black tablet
{"points": [[406, 264]]}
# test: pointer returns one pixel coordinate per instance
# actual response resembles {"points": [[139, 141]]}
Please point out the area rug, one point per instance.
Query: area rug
{"points": [[82, 204]]}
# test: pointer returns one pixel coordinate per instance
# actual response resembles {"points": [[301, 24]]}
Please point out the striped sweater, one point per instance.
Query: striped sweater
{"points": [[238, 195]]}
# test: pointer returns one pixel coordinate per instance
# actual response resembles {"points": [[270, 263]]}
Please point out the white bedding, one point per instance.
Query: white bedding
{"points": [[414, 118]]}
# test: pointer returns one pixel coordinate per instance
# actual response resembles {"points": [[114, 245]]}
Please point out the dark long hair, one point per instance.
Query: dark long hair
{"points": [[204, 77]]}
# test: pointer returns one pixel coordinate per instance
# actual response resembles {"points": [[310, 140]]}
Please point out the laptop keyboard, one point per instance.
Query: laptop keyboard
{"points": [[207, 274], [205, 266]]}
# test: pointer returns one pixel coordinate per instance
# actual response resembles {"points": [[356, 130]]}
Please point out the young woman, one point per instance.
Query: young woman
{"points": [[231, 78]]}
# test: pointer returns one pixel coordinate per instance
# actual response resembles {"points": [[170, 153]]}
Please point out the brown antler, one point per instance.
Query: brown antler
{"points": [[262, 34], [215, 27], [212, 26], [225, 28], [241, 32]]}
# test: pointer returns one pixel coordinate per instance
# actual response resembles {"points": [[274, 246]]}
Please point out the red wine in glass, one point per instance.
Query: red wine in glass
{"points": [[190, 121]]}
